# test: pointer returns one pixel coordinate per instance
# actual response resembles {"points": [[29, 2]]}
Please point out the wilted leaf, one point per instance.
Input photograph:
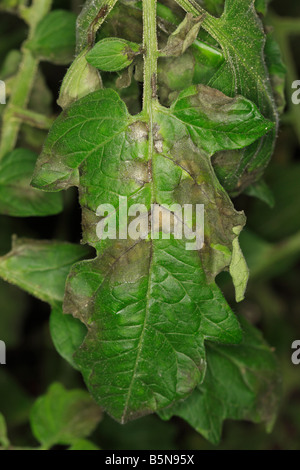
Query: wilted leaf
{"points": [[184, 36]]}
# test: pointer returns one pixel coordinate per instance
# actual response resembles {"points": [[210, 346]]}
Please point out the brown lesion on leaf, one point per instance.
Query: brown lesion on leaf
{"points": [[139, 131], [137, 171], [95, 24], [184, 36], [158, 139], [89, 223], [132, 54], [154, 86], [199, 185], [122, 261]]}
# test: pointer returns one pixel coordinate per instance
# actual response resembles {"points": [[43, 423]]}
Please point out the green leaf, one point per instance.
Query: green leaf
{"points": [[261, 190], [55, 38], [239, 21], [149, 305], [63, 417], [10, 64], [261, 6], [80, 80], [238, 269], [243, 72], [40, 267], [4, 442], [241, 383], [83, 444], [17, 197], [202, 109], [113, 54], [196, 65], [67, 334]]}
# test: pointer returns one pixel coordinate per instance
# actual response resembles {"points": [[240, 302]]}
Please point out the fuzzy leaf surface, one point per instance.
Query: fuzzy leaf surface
{"points": [[112, 54]]}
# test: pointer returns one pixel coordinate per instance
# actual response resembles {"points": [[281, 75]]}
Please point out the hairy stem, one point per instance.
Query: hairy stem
{"points": [[24, 80], [191, 6], [209, 23], [150, 55]]}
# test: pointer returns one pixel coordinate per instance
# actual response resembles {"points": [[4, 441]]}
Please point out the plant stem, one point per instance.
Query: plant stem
{"points": [[92, 16], [210, 22], [24, 80], [32, 118], [191, 7], [150, 56]]}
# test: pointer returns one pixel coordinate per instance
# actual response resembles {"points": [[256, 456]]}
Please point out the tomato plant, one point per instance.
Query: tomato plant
{"points": [[166, 105]]}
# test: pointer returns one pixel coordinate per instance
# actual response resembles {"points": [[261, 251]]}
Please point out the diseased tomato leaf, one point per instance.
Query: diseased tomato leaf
{"points": [[241, 382], [240, 33], [89, 21], [149, 304]]}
